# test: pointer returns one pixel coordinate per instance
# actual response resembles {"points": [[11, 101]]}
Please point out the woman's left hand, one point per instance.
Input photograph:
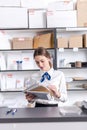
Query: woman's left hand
{"points": [[54, 90]]}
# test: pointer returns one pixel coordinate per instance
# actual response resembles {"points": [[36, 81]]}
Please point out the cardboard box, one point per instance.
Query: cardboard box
{"points": [[62, 42], [37, 18], [85, 40], [22, 43], [62, 18], [13, 17], [81, 13], [44, 40], [75, 41]]}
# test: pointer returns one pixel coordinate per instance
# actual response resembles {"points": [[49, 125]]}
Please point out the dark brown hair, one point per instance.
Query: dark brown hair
{"points": [[42, 52]]}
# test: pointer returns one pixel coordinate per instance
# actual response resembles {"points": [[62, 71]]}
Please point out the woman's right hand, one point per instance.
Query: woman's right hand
{"points": [[30, 97]]}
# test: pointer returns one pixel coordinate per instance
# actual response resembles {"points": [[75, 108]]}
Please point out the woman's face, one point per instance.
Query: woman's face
{"points": [[42, 62]]}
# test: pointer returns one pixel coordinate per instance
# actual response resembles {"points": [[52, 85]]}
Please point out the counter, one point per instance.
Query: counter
{"points": [[42, 119], [36, 115]]}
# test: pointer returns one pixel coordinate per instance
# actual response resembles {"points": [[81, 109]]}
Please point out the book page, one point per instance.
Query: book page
{"points": [[40, 89], [40, 92]]}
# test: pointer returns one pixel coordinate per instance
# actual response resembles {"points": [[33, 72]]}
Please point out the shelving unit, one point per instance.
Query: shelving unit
{"points": [[68, 53], [70, 56], [10, 72], [57, 54]]}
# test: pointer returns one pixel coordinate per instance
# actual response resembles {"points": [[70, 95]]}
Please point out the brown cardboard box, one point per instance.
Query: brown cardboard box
{"points": [[75, 41], [43, 40], [62, 42], [85, 40], [22, 43], [82, 13]]}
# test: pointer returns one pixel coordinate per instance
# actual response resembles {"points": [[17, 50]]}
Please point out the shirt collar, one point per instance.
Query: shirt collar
{"points": [[50, 72]]}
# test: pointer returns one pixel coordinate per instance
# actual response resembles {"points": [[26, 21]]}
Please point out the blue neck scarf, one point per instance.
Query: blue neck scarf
{"points": [[45, 75]]}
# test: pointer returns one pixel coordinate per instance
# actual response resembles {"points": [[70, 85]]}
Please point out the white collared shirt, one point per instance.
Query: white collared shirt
{"points": [[57, 79]]}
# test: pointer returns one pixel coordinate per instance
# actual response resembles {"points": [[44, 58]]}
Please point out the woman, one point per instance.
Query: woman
{"points": [[55, 81]]}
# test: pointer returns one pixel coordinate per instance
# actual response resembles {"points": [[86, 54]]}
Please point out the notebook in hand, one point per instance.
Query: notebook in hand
{"points": [[41, 92]]}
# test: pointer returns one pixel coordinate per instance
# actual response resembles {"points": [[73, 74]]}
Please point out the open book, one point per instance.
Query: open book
{"points": [[41, 92]]}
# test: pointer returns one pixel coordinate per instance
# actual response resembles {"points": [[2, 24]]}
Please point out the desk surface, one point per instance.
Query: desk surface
{"points": [[41, 114]]}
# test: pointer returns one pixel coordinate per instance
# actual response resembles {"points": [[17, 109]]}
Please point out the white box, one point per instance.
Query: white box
{"points": [[28, 61], [61, 18], [2, 82], [37, 19], [13, 17], [10, 82], [61, 5], [11, 60], [5, 39], [12, 3], [33, 4], [2, 61], [19, 83]]}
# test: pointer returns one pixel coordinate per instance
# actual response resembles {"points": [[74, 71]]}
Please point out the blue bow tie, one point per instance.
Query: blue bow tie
{"points": [[45, 75]]}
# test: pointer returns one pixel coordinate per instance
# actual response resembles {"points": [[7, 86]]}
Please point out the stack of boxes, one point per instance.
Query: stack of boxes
{"points": [[29, 14], [61, 14], [74, 41]]}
